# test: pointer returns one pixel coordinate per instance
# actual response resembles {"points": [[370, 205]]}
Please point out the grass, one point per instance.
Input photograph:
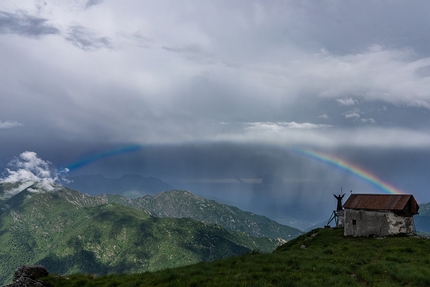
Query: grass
{"points": [[322, 257]]}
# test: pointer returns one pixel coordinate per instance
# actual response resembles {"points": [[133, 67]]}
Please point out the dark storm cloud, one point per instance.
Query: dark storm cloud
{"points": [[286, 182], [92, 3], [86, 39], [21, 23]]}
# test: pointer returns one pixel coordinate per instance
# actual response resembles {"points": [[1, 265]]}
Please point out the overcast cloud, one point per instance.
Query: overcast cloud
{"points": [[345, 77]]}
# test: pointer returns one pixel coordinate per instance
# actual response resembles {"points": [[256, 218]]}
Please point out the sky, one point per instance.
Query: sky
{"points": [[219, 95]]}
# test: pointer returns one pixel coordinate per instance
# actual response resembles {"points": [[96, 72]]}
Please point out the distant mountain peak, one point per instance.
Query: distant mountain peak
{"points": [[128, 185]]}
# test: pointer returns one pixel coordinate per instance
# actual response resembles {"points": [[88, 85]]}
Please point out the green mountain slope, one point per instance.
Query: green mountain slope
{"points": [[180, 204], [68, 231], [322, 257]]}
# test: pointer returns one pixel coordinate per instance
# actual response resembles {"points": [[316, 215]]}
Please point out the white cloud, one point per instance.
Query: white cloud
{"points": [[280, 126], [347, 102], [352, 114], [355, 115], [324, 116], [30, 170], [294, 125], [382, 109], [376, 74], [9, 124], [369, 120], [368, 137]]}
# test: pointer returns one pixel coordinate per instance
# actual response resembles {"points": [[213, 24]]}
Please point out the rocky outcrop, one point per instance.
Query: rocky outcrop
{"points": [[27, 275]]}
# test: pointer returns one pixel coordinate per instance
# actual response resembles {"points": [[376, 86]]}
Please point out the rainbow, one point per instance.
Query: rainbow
{"points": [[319, 156], [354, 169], [87, 160]]}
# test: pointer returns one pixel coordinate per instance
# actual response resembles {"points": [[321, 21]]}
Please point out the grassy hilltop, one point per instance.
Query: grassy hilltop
{"points": [[321, 257]]}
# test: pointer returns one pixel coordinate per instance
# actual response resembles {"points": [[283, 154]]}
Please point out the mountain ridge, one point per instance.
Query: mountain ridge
{"points": [[129, 185], [69, 231], [182, 203]]}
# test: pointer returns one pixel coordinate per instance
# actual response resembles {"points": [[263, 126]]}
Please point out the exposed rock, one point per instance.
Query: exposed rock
{"points": [[27, 275]]}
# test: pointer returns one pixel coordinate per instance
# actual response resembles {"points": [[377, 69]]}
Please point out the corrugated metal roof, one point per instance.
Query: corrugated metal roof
{"points": [[394, 202]]}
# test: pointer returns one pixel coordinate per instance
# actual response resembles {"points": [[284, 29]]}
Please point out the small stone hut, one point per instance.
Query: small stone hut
{"points": [[379, 214]]}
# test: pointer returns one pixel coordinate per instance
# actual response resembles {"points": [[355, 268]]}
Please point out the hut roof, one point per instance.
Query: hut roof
{"points": [[404, 203]]}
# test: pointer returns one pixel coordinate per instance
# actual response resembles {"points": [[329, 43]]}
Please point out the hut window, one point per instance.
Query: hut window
{"points": [[354, 222]]}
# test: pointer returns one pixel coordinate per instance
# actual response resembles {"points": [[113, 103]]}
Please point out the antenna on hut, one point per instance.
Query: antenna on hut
{"points": [[338, 212]]}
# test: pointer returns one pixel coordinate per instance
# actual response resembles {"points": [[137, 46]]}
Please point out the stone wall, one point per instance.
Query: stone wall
{"points": [[340, 218], [379, 223]]}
